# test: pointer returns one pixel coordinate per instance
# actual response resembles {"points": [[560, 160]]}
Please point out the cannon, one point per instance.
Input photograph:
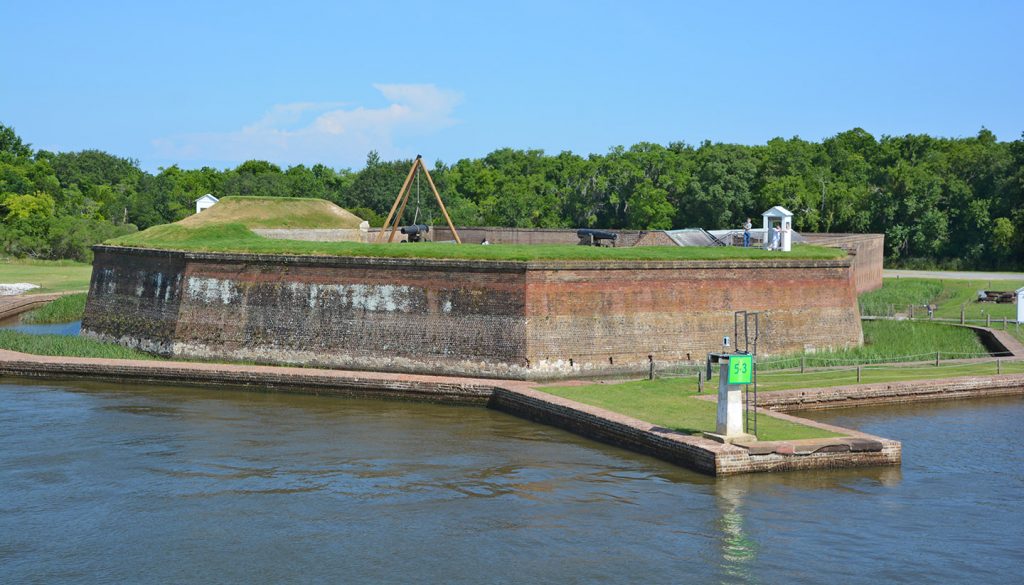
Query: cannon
{"points": [[415, 231], [589, 237]]}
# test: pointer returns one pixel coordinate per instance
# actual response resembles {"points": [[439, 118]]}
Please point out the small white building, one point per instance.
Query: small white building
{"points": [[782, 218], [205, 202]]}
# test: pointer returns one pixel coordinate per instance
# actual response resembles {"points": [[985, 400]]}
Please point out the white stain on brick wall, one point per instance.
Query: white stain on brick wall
{"points": [[108, 282], [384, 297], [211, 290], [367, 297]]}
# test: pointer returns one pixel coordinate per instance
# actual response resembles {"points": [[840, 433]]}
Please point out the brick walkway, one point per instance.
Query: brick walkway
{"points": [[294, 379]]}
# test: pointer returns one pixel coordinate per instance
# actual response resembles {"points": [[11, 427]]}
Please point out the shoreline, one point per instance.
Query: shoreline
{"points": [[526, 400]]}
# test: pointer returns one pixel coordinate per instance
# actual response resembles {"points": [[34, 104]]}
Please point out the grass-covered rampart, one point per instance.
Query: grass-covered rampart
{"points": [[275, 212], [233, 237]]}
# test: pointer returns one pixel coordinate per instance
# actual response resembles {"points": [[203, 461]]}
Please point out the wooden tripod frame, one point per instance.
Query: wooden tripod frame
{"points": [[403, 199]]}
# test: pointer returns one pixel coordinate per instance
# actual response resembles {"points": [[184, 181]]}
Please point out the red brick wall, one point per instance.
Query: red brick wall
{"points": [[866, 250], [494, 319], [619, 314]]}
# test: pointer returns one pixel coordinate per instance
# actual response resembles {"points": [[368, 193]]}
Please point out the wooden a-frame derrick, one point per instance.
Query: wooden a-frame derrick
{"points": [[403, 199]]}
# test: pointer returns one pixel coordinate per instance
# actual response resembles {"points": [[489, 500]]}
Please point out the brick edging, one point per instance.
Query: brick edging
{"points": [[892, 393]]}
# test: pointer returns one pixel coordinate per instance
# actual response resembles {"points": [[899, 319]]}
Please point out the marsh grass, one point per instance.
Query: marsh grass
{"points": [[65, 309], [67, 345]]}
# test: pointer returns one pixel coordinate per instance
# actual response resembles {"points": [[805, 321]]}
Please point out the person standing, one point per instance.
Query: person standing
{"points": [[746, 233], [776, 238]]}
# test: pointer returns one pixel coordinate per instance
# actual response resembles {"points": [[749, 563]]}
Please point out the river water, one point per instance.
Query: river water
{"points": [[103, 483]]}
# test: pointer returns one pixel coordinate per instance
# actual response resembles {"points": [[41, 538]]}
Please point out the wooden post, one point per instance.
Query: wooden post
{"points": [[401, 211], [700, 380], [650, 362], [1004, 323], [408, 180], [961, 314], [803, 361], [936, 359], [437, 196], [988, 320], [858, 374], [911, 311], [999, 366]]}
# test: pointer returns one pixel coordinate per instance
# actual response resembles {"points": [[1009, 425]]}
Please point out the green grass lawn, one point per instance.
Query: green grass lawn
{"points": [[66, 345], [66, 309], [948, 295], [790, 380], [670, 403], [237, 238], [894, 341], [50, 275]]}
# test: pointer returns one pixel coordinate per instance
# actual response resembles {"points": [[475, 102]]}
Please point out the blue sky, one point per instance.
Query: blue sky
{"points": [[210, 83]]}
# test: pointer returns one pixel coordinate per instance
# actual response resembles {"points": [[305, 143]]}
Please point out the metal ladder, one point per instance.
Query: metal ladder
{"points": [[749, 346]]}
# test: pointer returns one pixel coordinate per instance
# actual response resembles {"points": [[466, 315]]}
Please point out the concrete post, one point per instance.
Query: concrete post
{"points": [[729, 423]]}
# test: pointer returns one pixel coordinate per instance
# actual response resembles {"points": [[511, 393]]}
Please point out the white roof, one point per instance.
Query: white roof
{"points": [[207, 197], [778, 211]]}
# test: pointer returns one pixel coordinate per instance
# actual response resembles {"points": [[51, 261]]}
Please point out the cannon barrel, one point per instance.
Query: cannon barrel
{"points": [[415, 229]]}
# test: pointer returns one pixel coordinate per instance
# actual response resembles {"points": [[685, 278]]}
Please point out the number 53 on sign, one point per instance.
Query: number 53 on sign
{"points": [[740, 369]]}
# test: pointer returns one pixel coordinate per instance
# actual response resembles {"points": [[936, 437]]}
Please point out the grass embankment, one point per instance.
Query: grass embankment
{"points": [[66, 309], [50, 275], [235, 237], [946, 294], [275, 212], [772, 381], [894, 341], [66, 345], [670, 403]]}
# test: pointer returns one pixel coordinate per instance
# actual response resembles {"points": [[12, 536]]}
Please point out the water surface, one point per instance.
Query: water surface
{"points": [[105, 483]]}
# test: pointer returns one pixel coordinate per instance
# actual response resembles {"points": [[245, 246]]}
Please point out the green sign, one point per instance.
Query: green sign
{"points": [[741, 368]]}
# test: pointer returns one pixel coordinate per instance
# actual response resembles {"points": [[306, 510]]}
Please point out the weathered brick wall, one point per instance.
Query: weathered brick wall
{"points": [[866, 250], [366, 313], [134, 297], [601, 319], [495, 319]]}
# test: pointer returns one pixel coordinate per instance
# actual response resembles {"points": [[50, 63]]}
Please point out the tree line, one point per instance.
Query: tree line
{"points": [[941, 202]]}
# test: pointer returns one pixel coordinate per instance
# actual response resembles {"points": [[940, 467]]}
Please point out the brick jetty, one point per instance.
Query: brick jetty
{"points": [[515, 397]]}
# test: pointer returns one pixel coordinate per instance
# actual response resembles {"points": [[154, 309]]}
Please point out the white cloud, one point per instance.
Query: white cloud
{"points": [[335, 133]]}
